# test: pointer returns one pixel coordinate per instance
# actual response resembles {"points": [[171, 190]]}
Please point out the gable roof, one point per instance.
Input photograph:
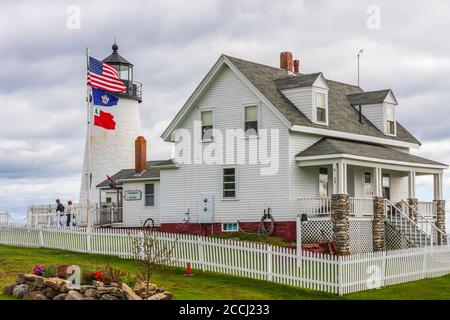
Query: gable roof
{"points": [[296, 81], [152, 172], [330, 146], [266, 82], [342, 115], [368, 97]]}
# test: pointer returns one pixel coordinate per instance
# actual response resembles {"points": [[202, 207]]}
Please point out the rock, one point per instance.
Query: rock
{"points": [[142, 287], [103, 290], [61, 296], [57, 284], [39, 281], [8, 290], [50, 293], [70, 286], [20, 290], [90, 293], [20, 278], [83, 288], [169, 295], [89, 298], [35, 295], [130, 294], [108, 296], [30, 277], [159, 296], [97, 284], [74, 295]]}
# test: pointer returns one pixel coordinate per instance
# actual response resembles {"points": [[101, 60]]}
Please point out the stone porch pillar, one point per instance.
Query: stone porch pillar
{"points": [[412, 199], [440, 206], [414, 204], [378, 232], [340, 209]]}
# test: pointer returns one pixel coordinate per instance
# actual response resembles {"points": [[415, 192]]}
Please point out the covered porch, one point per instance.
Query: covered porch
{"points": [[358, 181]]}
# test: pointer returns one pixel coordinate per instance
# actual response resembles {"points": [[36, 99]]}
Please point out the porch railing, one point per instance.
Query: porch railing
{"points": [[425, 223], [360, 207], [427, 209]]}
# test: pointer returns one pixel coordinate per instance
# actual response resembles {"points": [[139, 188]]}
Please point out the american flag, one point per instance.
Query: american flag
{"points": [[103, 76]]}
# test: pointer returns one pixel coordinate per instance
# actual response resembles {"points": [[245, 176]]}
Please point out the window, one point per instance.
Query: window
{"points": [[321, 107], [386, 181], [323, 182], [229, 182], [251, 120], [390, 125], [229, 227], [207, 124], [367, 183], [149, 195]]}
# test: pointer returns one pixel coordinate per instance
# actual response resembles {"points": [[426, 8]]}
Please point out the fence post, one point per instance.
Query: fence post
{"points": [[269, 263], [383, 268], [41, 238], [201, 256], [88, 240], [340, 276], [424, 263]]}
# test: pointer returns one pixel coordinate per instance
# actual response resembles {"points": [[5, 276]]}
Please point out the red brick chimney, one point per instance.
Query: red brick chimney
{"points": [[286, 61], [140, 154], [296, 66]]}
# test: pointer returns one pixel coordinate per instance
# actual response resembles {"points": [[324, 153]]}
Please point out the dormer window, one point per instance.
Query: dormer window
{"points": [[320, 103], [390, 120]]}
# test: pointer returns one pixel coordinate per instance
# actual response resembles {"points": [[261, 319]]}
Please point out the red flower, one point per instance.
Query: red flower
{"points": [[99, 276]]}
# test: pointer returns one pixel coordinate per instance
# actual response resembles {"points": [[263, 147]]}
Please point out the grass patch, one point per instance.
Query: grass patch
{"points": [[254, 237], [207, 285]]}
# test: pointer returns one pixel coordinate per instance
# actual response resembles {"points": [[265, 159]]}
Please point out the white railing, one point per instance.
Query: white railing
{"points": [[315, 206], [47, 215], [5, 217], [361, 206], [323, 272], [396, 216], [436, 235], [427, 209]]}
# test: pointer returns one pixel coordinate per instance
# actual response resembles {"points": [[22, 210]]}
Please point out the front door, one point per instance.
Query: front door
{"points": [[386, 186]]}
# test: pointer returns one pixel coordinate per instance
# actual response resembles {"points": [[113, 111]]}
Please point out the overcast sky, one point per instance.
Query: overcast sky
{"points": [[174, 43]]}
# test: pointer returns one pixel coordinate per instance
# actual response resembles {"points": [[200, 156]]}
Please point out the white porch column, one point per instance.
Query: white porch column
{"points": [[378, 182], [412, 185], [340, 178], [438, 187]]}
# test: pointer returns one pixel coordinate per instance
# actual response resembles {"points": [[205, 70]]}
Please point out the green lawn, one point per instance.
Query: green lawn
{"points": [[205, 285]]}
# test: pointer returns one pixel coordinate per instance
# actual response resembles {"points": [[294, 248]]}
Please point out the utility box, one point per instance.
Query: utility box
{"points": [[206, 208]]}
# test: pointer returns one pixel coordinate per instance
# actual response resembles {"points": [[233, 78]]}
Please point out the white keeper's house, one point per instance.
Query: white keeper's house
{"points": [[344, 163], [338, 158]]}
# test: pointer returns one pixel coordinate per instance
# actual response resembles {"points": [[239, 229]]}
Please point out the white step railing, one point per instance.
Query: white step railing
{"points": [[361, 206], [437, 236], [5, 217], [315, 206], [405, 225], [427, 209]]}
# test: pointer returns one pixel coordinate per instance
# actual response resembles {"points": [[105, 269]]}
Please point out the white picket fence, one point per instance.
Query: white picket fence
{"points": [[323, 272]]}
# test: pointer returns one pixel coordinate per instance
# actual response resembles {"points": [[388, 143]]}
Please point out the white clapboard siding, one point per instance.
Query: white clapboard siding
{"points": [[323, 272], [181, 188], [375, 113], [302, 98], [135, 211]]}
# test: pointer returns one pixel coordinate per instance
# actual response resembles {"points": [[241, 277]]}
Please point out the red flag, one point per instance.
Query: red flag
{"points": [[104, 119]]}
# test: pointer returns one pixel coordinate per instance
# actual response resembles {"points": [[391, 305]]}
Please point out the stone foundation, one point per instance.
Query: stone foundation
{"points": [[283, 229], [378, 233], [414, 203], [440, 220], [340, 213]]}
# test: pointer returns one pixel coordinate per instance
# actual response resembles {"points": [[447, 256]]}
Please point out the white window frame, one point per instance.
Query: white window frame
{"points": [[258, 107], [235, 183], [363, 179], [201, 122], [236, 223], [325, 92], [328, 182], [386, 122], [145, 195]]}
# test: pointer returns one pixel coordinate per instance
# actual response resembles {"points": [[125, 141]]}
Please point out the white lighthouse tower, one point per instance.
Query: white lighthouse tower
{"points": [[113, 150]]}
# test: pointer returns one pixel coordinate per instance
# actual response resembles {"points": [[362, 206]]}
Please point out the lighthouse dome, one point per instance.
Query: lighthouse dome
{"points": [[125, 70]]}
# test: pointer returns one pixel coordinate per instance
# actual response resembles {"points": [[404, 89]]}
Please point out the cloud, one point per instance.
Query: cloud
{"points": [[173, 44]]}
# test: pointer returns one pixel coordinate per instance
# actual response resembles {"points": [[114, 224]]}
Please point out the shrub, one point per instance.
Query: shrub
{"points": [[87, 277], [61, 271], [49, 272], [113, 275]]}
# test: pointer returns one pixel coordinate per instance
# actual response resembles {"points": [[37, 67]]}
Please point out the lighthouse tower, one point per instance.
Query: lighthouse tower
{"points": [[113, 150]]}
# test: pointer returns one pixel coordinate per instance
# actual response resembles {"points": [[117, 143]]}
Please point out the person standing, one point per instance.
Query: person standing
{"points": [[70, 214], [59, 212]]}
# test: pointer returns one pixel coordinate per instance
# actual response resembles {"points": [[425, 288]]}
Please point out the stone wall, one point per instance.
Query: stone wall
{"points": [[378, 231], [413, 203], [340, 214]]}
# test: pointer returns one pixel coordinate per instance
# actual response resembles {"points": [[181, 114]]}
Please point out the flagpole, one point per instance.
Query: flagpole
{"points": [[88, 165]]}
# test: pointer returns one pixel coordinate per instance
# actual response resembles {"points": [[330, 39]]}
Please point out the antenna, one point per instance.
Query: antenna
{"points": [[359, 53]]}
